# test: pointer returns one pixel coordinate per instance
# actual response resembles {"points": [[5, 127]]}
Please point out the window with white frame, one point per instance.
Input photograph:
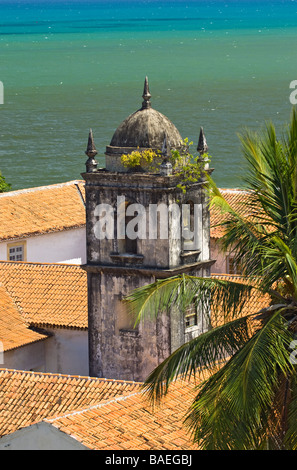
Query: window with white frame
{"points": [[16, 252]]}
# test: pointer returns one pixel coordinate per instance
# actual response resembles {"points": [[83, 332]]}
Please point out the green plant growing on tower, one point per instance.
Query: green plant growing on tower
{"points": [[147, 159], [4, 186], [185, 166]]}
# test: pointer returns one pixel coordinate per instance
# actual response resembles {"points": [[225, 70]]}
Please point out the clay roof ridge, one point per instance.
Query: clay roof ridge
{"points": [[235, 190], [37, 263], [93, 407], [15, 303], [237, 276], [39, 188], [103, 403]]}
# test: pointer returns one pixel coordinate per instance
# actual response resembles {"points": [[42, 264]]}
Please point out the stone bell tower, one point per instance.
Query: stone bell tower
{"points": [[118, 263]]}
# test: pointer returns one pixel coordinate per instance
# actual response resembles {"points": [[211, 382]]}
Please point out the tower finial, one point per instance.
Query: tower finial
{"points": [[91, 149], [146, 95], [202, 144], [91, 152]]}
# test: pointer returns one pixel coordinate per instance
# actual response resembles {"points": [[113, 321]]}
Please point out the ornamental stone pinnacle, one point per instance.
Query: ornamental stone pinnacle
{"points": [[202, 144], [146, 95], [91, 152]]}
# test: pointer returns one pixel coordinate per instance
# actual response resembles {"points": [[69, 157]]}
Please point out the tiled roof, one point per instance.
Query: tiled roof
{"points": [[238, 200], [14, 332], [47, 294], [41, 210], [131, 423], [59, 207], [28, 397], [255, 302]]}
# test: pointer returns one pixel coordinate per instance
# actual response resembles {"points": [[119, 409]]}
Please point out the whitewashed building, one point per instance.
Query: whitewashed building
{"points": [[44, 224]]}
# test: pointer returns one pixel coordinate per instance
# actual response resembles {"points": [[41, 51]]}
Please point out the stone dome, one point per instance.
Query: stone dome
{"points": [[146, 128]]}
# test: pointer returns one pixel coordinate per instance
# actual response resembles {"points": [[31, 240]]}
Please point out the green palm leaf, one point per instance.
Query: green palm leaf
{"points": [[242, 390], [199, 354], [183, 291]]}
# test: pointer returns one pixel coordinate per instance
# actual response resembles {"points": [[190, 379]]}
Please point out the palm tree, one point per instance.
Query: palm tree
{"points": [[249, 398]]}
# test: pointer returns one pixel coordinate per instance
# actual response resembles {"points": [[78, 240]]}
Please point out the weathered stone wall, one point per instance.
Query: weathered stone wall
{"points": [[116, 349]]}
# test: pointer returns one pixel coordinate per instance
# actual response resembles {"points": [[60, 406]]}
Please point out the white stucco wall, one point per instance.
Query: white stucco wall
{"points": [[66, 352], [68, 246], [40, 436], [30, 357]]}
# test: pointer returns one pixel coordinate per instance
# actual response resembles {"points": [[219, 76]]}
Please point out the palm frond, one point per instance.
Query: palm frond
{"points": [[182, 291], [272, 180], [232, 402], [282, 262], [243, 234], [272, 174], [202, 353]]}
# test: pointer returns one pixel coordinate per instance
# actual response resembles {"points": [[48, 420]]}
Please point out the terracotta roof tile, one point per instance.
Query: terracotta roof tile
{"points": [[47, 294], [14, 332], [238, 199], [27, 397], [41, 210], [131, 422]]}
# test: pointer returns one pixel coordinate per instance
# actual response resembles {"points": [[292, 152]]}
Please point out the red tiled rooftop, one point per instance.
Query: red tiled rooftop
{"points": [[14, 332], [41, 210], [47, 294], [132, 423], [238, 200], [56, 294], [27, 397]]}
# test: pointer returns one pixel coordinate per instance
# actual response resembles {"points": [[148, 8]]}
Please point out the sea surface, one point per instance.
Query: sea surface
{"points": [[68, 66]]}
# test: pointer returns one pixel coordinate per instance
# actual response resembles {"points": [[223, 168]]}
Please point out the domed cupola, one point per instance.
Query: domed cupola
{"points": [[141, 130]]}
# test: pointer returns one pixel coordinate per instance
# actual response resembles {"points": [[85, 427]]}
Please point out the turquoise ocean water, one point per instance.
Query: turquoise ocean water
{"points": [[69, 66]]}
